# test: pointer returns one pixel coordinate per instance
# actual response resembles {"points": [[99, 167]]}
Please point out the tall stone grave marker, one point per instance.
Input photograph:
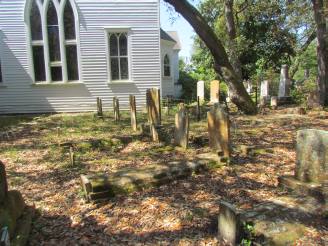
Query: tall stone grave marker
{"points": [[116, 107], [219, 130], [133, 111], [265, 89], [154, 106], [181, 130], [285, 82], [201, 90], [215, 91]]}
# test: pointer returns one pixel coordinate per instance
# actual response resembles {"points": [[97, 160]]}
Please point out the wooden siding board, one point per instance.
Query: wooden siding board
{"points": [[20, 96]]}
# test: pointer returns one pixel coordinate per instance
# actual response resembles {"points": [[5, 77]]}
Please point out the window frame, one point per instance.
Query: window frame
{"points": [[167, 65], [43, 9], [109, 31]]}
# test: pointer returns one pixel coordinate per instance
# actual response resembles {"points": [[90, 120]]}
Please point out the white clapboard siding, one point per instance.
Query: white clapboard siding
{"points": [[19, 95]]}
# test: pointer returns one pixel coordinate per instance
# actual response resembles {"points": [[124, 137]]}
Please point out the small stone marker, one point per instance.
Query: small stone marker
{"points": [[285, 82], [249, 87], [229, 228], [198, 109], [133, 111], [181, 131], [201, 90], [3, 182], [264, 89], [72, 156], [215, 91], [116, 107], [313, 100], [219, 130], [154, 106], [274, 103], [99, 107]]}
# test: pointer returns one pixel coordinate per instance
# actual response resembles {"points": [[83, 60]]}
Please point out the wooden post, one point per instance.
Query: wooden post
{"points": [[72, 156], [116, 106], [99, 107], [133, 109], [198, 109]]}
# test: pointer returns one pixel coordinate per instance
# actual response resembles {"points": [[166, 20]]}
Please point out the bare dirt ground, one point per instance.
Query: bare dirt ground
{"points": [[181, 213]]}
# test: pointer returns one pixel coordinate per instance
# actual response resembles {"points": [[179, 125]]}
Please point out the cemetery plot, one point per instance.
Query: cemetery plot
{"points": [[38, 161]]}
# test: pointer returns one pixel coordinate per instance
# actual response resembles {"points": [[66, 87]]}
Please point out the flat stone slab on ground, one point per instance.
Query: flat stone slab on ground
{"points": [[128, 180]]}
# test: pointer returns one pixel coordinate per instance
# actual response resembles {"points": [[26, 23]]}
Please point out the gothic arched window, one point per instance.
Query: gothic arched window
{"points": [[55, 55]]}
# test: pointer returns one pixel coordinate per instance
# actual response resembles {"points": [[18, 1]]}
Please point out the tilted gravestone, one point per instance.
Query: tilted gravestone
{"points": [[219, 130], [133, 112], [154, 106], [201, 90], [311, 172], [215, 91], [181, 130], [285, 82], [116, 107]]}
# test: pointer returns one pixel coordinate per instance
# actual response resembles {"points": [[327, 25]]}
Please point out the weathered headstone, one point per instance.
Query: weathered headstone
{"points": [[215, 91], [285, 82], [116, 107], [264, 89], [313, 99], [181, 131], [133, 111], [249, 87], [99, 107], [72, 156], [229, 226], [311, 172], [3, 183], [154, 106], [219, 130], [312, 156], [201, 90], [274, 102]]}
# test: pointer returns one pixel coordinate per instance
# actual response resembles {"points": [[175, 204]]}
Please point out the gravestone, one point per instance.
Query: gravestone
{"points": [[249, 87], [181, 130], [198, 109], [154, 106], [133, 111], [3, 183], [219, 130], [229, 226], [99, 107], [274, 102], [215, 91], [264, 89], [313, 99], [116, 107], [285, 82], [201, 90], [311, 171]]}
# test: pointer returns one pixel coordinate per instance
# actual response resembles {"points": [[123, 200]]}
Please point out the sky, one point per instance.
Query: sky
{"points": [[180, 25]]}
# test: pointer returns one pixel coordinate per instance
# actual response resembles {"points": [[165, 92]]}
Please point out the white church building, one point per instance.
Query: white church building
{"points": [[60, 55]]}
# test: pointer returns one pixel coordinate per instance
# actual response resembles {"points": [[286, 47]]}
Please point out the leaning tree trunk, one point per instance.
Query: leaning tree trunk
{"points": [[320, 8], [223, 67]]}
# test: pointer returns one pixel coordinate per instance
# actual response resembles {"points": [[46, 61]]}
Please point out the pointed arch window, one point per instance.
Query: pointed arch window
{"points": [[167, 66], [53, 40]]}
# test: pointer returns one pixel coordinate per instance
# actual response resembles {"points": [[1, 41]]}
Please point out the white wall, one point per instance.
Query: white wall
{"points": [[18, 94]]}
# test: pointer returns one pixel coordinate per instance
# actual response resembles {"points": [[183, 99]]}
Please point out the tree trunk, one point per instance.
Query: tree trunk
{"points": [[320, 14], [223, 67], [232, 34]]}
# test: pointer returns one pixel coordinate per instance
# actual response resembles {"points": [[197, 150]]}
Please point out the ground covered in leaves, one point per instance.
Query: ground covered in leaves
{"points": [[35, 150]]}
